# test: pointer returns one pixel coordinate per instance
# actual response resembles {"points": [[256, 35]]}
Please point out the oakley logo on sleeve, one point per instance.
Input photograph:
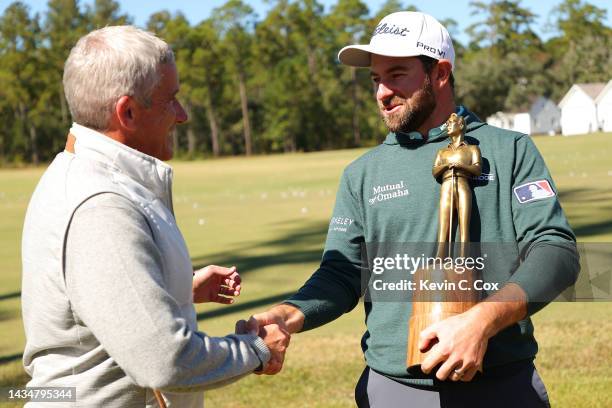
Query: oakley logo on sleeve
{"points": [[340, 224], [536, 190]]}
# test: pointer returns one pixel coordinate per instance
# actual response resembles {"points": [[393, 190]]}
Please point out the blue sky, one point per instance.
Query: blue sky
{"points": [[197, 10]]}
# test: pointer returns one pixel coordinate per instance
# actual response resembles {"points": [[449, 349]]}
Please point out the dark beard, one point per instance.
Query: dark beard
{"points": [[423, 105]]}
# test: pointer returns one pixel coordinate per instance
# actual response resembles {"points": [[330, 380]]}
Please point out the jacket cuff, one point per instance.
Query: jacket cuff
{"points": [[261, 349], [316, 312], [549, 269]]}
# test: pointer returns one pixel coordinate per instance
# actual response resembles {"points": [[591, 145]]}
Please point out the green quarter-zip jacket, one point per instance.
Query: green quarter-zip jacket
{"points": [[389, 195]]}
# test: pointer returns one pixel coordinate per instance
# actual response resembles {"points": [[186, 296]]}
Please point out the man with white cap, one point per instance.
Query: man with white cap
{"points": [[480, 358]]}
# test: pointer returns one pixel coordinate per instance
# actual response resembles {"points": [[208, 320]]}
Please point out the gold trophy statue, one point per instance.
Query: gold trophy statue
{"points": [[455, 165]]}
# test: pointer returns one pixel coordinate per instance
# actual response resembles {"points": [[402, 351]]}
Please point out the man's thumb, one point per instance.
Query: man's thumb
{"points": [[252, 326], [241, 327]]}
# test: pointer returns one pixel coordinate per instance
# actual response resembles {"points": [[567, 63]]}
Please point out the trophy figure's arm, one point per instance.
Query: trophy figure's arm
{"points": [[476, 161], [474, 168], [439, 166]]}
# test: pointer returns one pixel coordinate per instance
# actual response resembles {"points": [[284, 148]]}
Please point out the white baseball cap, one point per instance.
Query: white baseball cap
{"points": [[403, 34]]}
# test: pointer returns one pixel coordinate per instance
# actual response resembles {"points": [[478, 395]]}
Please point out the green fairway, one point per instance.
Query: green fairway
{"points": [[268, 215]]}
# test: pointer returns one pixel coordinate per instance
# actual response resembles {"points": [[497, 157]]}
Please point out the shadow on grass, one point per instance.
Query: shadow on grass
{"points": [[596, 199], [11, 295], [13, 376], [9, 314], [10, 358], [245, 306], [283, 250], [594, 196], [593, 229]]}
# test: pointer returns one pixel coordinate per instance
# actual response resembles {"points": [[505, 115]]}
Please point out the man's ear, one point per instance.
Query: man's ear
{"points": [[125, 112], [442, 73]]}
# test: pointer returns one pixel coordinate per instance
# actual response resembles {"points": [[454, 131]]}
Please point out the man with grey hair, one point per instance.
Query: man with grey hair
{"points": [[108, 286]]}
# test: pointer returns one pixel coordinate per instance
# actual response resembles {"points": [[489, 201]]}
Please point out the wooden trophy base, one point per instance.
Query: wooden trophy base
{"points": [[446, 292]]}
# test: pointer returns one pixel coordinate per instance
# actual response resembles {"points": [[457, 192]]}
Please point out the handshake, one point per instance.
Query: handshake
{"points": [[219, 284], [274, 327]]}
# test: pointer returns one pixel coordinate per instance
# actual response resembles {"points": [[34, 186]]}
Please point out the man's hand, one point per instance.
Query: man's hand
{"points": [[277, 340], [260, 320], [461, 344], [287, 318], [216, 284], [456, 164]]}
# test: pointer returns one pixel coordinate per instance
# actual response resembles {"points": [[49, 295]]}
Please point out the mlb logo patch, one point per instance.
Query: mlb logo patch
{"points": [[536, 190]]}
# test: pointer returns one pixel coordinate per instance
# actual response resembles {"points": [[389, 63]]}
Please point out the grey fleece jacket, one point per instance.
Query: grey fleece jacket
{"points": [[106, 290]]}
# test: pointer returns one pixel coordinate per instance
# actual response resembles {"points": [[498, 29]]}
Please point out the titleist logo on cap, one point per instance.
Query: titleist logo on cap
{"points": [[393, 29]]}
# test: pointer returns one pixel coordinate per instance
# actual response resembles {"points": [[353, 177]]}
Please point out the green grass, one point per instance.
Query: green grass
{"points": [[268, 215]]}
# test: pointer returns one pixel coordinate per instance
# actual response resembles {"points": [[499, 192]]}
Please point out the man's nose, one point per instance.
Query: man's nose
{"points": [[383, 92], [181, 114]]}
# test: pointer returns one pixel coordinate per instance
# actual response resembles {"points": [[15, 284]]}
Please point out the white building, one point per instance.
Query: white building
{"points": [[502, 119], [578, 109], [604, 108], [543, 117]]}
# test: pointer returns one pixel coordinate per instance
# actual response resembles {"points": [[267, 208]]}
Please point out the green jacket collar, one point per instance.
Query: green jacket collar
{"points": [[435, 134]]}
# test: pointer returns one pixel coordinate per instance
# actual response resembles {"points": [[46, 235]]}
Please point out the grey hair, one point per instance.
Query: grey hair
{"points": [[107, 64]]}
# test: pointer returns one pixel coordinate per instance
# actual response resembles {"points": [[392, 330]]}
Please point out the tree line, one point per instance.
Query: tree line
{"points": [[259, 85]]}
